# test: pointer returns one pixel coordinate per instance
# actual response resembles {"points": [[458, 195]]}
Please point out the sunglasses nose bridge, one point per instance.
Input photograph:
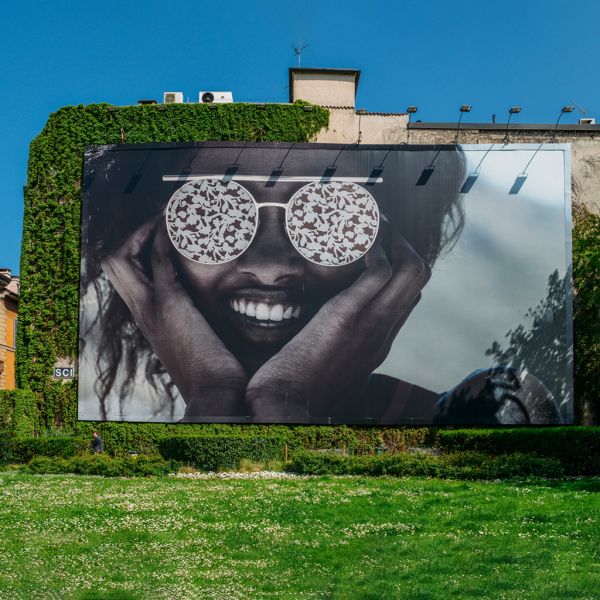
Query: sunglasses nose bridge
{"points": [[271, 204], [271, 259]]}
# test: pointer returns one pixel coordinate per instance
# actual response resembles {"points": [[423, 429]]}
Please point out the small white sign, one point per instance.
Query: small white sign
{"points": [[64, 372]]}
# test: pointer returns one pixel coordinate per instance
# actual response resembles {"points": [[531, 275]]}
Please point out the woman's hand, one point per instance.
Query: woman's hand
{"points": [[327, 364], [209, 378]]}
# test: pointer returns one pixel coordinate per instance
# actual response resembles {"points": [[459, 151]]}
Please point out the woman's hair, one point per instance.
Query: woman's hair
{"points": [[422, 201]]}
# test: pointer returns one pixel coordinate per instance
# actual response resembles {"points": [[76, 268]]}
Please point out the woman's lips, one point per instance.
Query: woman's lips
{"points": [[266, 311]]}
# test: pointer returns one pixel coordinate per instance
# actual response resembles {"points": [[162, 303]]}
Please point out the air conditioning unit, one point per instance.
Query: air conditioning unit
{"points": [[172, 97], [588, 121], [216, 97]]}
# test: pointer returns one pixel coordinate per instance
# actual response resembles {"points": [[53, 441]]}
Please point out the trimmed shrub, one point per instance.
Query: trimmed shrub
{"points": [[24, 449], [577, 448], [100, 464], [121, 438], [459, 465], [217, 452]]}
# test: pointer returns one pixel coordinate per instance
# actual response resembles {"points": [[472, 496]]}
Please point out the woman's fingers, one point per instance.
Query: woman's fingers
{"points": [[410, 274], [168, 288], [375, 277], [125, 270]]}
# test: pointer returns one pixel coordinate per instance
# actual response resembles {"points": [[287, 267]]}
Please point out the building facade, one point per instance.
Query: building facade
{"points": [[336, 90], [9, 303]]}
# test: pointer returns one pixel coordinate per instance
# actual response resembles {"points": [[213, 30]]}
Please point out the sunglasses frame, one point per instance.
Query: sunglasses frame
{"points": [[286, 206]]}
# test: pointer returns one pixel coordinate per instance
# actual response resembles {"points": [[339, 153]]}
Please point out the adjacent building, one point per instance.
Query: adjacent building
{"points": [[9, 304], [336, 90]]}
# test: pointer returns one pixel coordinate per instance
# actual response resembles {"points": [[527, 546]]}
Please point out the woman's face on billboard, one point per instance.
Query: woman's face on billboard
{"points": [[261, 299]]}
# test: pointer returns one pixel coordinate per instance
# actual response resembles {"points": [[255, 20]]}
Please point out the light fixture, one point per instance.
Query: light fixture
{"points": [[563, 110], [518, 183], [308, 108], [148, 101], [361, 111], [513, 110], [465, 108], [522, 176], [411, 110]]}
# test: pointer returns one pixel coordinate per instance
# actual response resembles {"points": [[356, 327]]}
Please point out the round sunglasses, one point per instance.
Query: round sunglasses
{"points": [[330, 223]]}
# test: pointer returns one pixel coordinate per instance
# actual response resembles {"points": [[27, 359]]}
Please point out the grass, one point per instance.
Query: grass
{"points": [[335, 538]]}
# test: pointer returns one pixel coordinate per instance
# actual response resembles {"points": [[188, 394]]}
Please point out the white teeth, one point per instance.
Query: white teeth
{"points": [[262, 311], [276, 313]]}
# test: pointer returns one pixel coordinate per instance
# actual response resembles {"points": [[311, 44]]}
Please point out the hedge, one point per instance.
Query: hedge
{"points": [[120, 438], [577, 448], [459, 465], [218, 452], [24, 449], [100, 464]]}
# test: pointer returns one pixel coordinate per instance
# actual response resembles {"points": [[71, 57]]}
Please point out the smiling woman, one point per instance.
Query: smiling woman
{"points": [[268, 287]]}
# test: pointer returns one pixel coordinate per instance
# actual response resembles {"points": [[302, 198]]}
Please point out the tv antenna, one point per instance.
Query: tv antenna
{"points": [[298, 50], [581, 110]]}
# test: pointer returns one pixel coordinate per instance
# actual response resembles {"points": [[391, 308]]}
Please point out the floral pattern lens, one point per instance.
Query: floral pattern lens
{"points": [[211, 221], [332, 223]]}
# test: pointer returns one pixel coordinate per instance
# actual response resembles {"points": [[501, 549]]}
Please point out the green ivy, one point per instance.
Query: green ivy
{"points": [[49, 304], [19, 412], [586, 313]]}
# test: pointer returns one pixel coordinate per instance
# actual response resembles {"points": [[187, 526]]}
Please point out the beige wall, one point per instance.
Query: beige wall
{"points": [[344, 126], [331, 89]]}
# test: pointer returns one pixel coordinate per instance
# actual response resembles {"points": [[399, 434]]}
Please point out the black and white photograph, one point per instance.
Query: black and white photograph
{"points": [[327, 284]]}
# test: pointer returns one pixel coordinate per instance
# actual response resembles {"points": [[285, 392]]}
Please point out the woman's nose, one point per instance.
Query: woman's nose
{"points": [[271, 259]]}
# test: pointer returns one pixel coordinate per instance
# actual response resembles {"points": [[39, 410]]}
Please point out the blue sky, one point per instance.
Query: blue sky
{"points": [[435, 54]]}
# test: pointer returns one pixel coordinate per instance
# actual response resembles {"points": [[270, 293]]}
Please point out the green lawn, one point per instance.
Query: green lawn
{"points": [[89, 537]]}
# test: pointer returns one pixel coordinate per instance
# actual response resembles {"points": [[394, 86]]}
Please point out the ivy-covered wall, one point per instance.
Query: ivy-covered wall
{"points": [[49, 302]]}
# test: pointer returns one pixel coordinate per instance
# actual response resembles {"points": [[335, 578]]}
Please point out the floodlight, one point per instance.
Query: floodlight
{"points": [[513, 110], [412, 109], [465, 108], [567, 109]]}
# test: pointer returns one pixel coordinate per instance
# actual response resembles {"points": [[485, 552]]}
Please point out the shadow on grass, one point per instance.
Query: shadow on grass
{"points": [[585, 484]]}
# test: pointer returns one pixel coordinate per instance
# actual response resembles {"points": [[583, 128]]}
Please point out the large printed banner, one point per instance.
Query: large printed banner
{"points": [[315, 283]]}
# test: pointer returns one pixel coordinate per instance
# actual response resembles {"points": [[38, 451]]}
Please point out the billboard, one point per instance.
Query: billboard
{"points": [[316, 283]]}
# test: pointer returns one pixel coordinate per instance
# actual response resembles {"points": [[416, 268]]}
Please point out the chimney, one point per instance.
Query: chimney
{"points": [[327, 87]]}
